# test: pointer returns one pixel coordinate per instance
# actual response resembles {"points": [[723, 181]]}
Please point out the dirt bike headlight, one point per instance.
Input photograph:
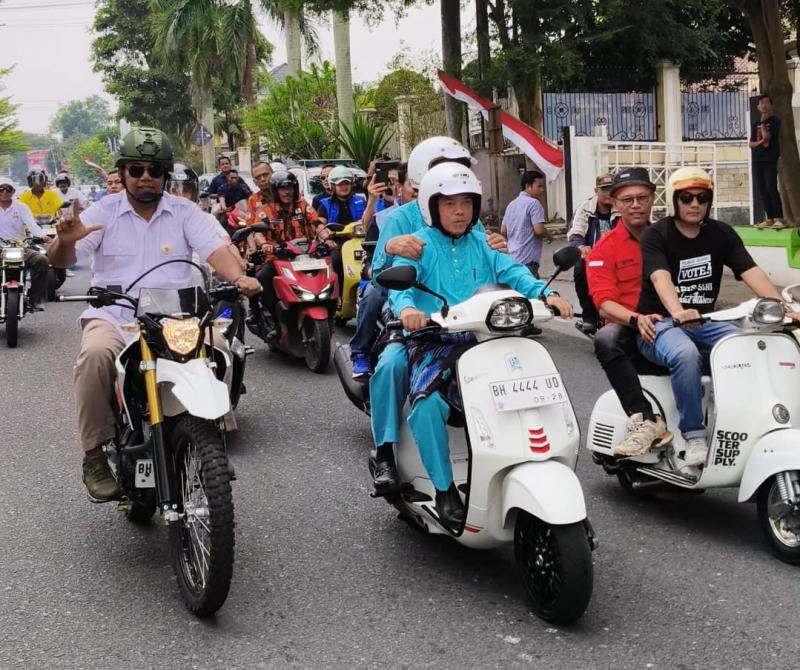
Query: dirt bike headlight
{"points": [[768, 312], [510, 314], [181, 335], [13, 255]]}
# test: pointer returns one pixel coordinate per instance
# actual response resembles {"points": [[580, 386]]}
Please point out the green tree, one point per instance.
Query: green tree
{"points": [[403, 81], [96, 151], [297, 118], [150, 91], [81, 117], [769, 28], [11, 139]]}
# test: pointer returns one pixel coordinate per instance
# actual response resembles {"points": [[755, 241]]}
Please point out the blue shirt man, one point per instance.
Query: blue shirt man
{"points": [[523, 223]]}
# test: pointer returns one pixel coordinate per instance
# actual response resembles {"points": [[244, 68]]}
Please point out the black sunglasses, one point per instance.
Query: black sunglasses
{"points": [[702, 198], [155, 171], [6, 189]]}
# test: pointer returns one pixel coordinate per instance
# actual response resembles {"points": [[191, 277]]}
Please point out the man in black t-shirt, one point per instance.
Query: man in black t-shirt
{"points": [[682, 261], [765, 144]]}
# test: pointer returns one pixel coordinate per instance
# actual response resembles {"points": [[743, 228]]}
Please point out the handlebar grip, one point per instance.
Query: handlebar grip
{"points": [[77, 298], [394, 325]]}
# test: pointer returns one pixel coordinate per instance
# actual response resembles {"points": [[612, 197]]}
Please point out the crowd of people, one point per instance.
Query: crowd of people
{"points": [[631, 282]]}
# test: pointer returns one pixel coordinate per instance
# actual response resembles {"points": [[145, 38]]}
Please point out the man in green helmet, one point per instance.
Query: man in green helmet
{"points": [[129, 233]]}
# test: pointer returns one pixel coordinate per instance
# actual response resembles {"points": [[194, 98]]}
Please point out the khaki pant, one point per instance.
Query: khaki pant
{"points": [[94, 382]]}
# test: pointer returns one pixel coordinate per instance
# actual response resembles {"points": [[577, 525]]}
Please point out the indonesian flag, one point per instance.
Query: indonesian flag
{"points": [[95, 166], [548, 158]]}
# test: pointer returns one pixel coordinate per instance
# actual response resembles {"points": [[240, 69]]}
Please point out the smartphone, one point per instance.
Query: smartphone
{"points": [[382, 173]]}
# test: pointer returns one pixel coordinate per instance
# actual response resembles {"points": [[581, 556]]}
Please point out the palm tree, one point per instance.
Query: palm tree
{"points": [[344, 74], [213, 39]]}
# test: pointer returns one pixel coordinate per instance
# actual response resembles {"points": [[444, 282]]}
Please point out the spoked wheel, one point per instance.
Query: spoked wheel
{"points": [[781, 527], [317, 341], [201, 543], [12, 317], [555, 563]]}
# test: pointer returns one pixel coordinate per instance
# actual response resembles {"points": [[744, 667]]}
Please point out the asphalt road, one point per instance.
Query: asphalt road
{"points": [[326, 577]]}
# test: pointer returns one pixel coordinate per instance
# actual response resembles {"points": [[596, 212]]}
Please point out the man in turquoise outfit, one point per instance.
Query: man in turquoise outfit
{"points": [[455, 262], [389, 383]]}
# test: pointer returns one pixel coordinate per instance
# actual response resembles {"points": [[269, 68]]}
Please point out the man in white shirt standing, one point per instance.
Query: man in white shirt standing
{"points": [[17, 223], [523, 223], [130, 233]]}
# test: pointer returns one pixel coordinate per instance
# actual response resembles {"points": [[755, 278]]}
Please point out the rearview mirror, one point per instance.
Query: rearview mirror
{"points": [[335, 227], [565, 258], [243, 233], [398, 278]]}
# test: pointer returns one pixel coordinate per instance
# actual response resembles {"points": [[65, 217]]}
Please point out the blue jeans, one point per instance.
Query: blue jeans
{"points": [[679, 350], [389, 387], [369, 311]]}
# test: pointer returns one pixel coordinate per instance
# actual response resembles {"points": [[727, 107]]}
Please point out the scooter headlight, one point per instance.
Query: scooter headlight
{"points": [[326, 292], [181, 335], [13, 255], [510, 314], [358, 230], [768, 312], [303, 294]]}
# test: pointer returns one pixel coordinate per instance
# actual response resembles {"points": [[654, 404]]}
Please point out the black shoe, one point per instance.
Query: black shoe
{"points": [[252, 319], [451, 510], [589, 327], [384, 471], [35, 306]]}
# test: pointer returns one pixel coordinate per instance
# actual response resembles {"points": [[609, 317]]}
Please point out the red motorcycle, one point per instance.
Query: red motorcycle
{"points": [[307, 290]]}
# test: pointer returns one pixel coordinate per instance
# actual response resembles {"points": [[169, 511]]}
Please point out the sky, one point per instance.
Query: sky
{"points": [[49, 41]]}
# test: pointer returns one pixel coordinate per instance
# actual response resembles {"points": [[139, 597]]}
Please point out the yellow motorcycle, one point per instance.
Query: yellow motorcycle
{"points": [[352, 254]]}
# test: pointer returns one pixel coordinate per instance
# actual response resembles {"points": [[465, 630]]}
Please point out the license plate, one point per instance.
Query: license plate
{"points": [[517, 394], [358, 254], [145, 479], [310, 264]]}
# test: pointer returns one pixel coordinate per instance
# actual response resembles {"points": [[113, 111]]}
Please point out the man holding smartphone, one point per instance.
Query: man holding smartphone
{"points": [[765, 144]]}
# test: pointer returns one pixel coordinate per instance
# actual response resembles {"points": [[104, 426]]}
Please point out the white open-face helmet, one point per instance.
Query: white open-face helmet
{"points": [[433, 151], [684, 179], [448, 179]]}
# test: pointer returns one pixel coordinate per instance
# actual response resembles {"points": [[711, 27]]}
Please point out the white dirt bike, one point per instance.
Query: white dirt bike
{"points": [[513, 449], [172, 399], [751, 402]]}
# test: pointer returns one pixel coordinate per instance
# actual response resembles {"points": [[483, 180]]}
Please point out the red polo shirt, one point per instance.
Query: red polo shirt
{"points": [[614, 269]]}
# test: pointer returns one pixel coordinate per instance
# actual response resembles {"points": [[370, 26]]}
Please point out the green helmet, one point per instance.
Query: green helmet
{"points": [[145, 144], [339, 174]]}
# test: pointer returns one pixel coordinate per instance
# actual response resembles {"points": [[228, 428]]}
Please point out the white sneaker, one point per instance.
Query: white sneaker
{"points": [[643, 435], [696, 451], [69, 273]]}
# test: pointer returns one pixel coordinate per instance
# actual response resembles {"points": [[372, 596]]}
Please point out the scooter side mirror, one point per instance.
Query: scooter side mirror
{"points": [[398, 278], [335, 227], [566, 258]]}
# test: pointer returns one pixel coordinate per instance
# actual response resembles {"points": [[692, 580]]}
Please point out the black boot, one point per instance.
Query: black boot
{"points": [[383, 469], [451, 510]]}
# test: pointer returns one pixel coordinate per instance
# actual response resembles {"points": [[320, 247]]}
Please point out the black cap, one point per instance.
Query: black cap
{"points": [[631, 176]]}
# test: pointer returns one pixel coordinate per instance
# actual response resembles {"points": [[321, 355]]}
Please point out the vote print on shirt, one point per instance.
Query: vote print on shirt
{"points": [[695, 284]]}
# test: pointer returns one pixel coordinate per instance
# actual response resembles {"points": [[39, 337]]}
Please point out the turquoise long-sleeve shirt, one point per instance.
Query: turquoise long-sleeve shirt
{"points": [[405, 220], [457, 268]]}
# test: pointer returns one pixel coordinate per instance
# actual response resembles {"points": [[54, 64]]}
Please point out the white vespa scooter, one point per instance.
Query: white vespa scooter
{"points": [[514, 450], [752, 405]]}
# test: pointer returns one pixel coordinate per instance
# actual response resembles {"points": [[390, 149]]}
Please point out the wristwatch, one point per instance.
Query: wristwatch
{"points": [[634, 320]]}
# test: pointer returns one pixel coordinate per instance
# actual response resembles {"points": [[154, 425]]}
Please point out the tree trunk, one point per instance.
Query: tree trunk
{"points": [[764, 18], [484, 45], [291, 27], [451, 57], [344, 74]]}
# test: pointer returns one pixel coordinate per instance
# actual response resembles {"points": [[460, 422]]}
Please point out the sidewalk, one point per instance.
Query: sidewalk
{"points": [[733, 292]]}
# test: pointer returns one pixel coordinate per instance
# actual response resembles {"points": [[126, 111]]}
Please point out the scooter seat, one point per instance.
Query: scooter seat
{"points": [[647, 367], [355, 389]]}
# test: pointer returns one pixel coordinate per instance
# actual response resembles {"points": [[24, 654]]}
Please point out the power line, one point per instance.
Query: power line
{"points": [[52, 5]]}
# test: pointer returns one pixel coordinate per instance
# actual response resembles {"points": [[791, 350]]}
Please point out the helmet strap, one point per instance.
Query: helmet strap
{"points": [[145, 198]]}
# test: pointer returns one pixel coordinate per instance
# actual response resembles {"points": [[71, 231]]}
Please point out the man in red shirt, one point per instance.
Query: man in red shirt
{"points": [[614, 272]]}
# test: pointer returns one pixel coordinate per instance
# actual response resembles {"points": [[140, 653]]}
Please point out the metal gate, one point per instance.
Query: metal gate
{"points": [[661, 160]]}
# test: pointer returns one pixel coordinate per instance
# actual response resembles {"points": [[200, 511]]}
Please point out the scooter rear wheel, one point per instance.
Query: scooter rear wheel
{"points": [[782, 533], [555, 563]]}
